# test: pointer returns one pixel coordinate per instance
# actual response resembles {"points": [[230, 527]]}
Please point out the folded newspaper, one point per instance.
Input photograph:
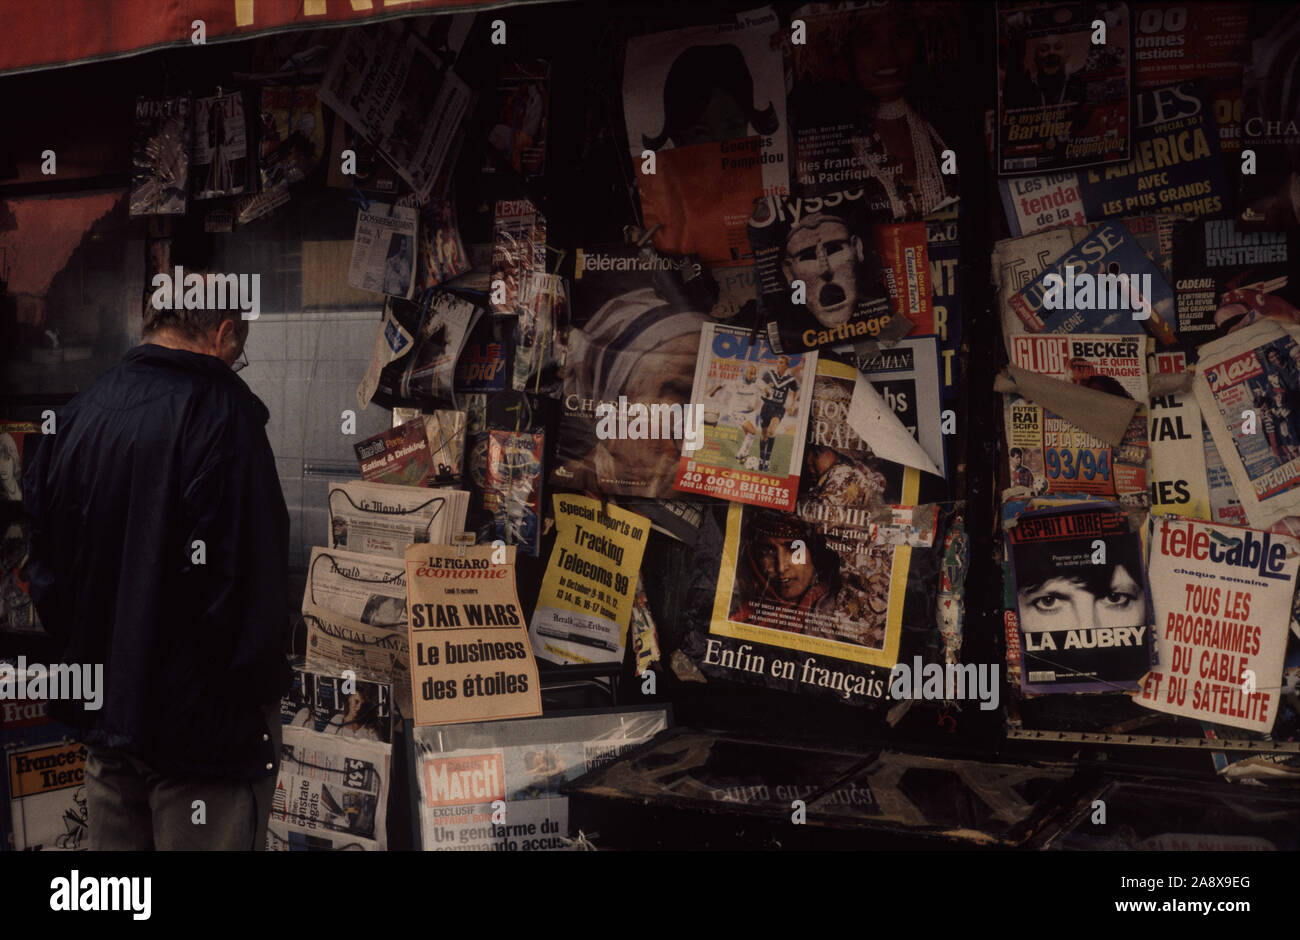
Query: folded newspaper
{"points": [[382, 519], [369, 588], [337, 788]]}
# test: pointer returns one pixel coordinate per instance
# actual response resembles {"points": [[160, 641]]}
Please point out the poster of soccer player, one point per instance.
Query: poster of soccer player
{"points": [[753, 406]]}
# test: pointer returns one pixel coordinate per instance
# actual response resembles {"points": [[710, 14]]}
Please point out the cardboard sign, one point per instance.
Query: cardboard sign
{"points": [[470, 657], [587, 594], [1222, 600]]}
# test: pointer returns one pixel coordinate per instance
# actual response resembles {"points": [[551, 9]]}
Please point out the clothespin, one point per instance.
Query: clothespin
{"points": [[649, 234], [462, 540]]}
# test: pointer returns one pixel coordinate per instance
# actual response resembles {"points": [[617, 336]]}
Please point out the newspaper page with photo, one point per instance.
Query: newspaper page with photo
{"points": [[830, 591], [634, 340], [383, 250], [1222, 601], [1248, 387], [1081, 595], [755, 407], [820, 280], [320, 699], [336, 642], [1047, 454], [524, 768], [332, 785], [387, 84], [392, 341], [382, 519], [587, 594], [1063, 101], [708, 103], [470, 655], [369, 588]]}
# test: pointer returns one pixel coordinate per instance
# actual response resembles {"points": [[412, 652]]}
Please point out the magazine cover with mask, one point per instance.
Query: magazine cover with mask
{"points": [[819, 275]]}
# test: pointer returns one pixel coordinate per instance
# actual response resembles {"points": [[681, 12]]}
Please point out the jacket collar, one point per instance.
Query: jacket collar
{"points": [[151, 354]]}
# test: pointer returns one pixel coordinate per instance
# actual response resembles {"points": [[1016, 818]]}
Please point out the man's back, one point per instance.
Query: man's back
{"points": [[160, 549]]}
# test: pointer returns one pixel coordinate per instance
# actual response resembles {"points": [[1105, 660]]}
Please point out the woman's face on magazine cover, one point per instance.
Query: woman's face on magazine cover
{"points": [[786, 578], [884, 51], [1062, 603], [663, 376]]}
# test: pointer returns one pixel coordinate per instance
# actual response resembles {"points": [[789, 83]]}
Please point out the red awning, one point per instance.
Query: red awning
{"points": [[37, 34]]}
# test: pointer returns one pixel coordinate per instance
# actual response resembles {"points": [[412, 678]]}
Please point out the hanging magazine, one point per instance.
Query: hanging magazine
{"points": [[221, 164], [1270, 197], [819, 275], [390, 86], [160, 156], [708, 105]]}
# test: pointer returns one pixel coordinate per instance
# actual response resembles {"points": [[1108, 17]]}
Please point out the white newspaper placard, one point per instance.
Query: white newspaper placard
{"points": [[1178, 478], [1222, 601]]}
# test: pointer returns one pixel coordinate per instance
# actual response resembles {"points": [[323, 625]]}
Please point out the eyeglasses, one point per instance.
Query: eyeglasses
{"points": [[241, 362]]}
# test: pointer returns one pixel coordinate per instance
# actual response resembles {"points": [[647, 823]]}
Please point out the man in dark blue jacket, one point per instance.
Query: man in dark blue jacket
{"points": [[160, 550]]}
